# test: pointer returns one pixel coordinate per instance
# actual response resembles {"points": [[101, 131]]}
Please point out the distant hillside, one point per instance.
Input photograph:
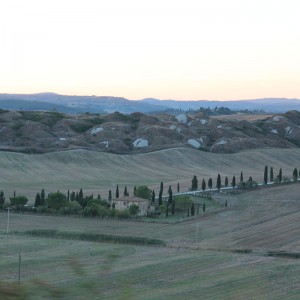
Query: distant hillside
{"points": [[75, 104], [40, 132], [109, 104], [269, 105]]}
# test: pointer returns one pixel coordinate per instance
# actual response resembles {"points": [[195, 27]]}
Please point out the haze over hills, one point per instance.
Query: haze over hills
{"points": [[108, 104]]}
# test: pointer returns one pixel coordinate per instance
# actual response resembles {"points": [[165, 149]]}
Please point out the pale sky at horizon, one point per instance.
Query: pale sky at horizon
{"points": [[166, 49]]}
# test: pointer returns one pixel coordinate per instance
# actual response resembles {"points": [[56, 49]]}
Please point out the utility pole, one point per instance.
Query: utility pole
{"points": [[196, 234], [19, 274]]}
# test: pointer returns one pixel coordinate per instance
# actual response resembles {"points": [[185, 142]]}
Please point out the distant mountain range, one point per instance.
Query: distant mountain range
{"points": [[109, 104]]}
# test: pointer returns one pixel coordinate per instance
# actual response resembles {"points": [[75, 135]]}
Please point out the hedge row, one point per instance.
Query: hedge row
{"points": [[93, 237]]}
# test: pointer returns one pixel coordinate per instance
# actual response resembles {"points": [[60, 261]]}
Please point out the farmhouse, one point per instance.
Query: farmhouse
{"points": [[125, 202]]}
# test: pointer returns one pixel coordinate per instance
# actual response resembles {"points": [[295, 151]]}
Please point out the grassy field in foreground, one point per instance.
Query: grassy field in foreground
{"points": [[208, 266], [98, 172], [75, 270]]}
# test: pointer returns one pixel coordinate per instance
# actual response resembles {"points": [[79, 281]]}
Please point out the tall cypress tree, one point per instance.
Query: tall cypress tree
{"points": [[80, 195], [266, 175], [117, 192], [194, 183], [170, 195], [203, 208], [193, 209], [173, 207], [37, 201], [178, 188], [226, 181], [218, 182], [280, 175], [241, 177], [126, 194], [203, 185], [68, 196], [2, 198], [162, 187], [295, 174], [43, 197], [109, 195], [153, 196], [233, 183], [160, 198], [210, 183], [271, 174]]}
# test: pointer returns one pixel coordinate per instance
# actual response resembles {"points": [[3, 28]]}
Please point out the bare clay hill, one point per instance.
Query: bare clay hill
{"points": [[41, 132]]}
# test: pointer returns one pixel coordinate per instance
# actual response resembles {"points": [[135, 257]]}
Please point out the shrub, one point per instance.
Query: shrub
{"points": [[123, 214], [183, 202], [134, 209], [143, 192], [18, 201], [57, 200]]}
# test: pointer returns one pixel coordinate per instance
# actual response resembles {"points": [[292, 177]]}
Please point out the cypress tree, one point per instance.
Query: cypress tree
{"points": [[134, 191], [160, 198], [80, 195], [194, 183], [193, 209], [210, 184], [170, 195], [203, 208], [68, 196], [203, 185], [73, 196], [233, 184], [43, 197], [167, 210], [77, 197], [226, 181], [280, 175], [271, 174], [295, 174], [125, 192], [178, 188], [37, 201], [117, 192], [218, 182], [2, 198], [173, 207], [241, 177], [109, 195], [153, 197], [98, 197], [266, 175], [162, 187]]}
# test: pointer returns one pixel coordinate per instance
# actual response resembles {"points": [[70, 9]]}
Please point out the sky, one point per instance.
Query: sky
{"points": [[165, 49]]}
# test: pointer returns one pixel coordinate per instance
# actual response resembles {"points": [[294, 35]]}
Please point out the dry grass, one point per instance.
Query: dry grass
{"points": [[98, 172], [262, 220], [242, 117]]}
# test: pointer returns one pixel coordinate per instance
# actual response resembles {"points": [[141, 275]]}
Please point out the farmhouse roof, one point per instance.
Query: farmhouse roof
{"points": [[130, 199]]}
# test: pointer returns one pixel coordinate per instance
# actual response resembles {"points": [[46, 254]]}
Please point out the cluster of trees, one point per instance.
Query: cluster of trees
{"points": [[248, 184], [77, 203]]}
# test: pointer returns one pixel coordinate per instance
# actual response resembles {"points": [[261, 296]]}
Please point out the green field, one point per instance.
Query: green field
{"points": [[224, 254], [98, 172]]}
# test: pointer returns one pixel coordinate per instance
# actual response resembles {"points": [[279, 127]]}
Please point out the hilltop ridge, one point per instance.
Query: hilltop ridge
{"points": [[40, 132]]}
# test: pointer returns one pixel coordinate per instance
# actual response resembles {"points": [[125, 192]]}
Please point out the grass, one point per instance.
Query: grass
{"points": [[98, 172], [238, 254]]}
